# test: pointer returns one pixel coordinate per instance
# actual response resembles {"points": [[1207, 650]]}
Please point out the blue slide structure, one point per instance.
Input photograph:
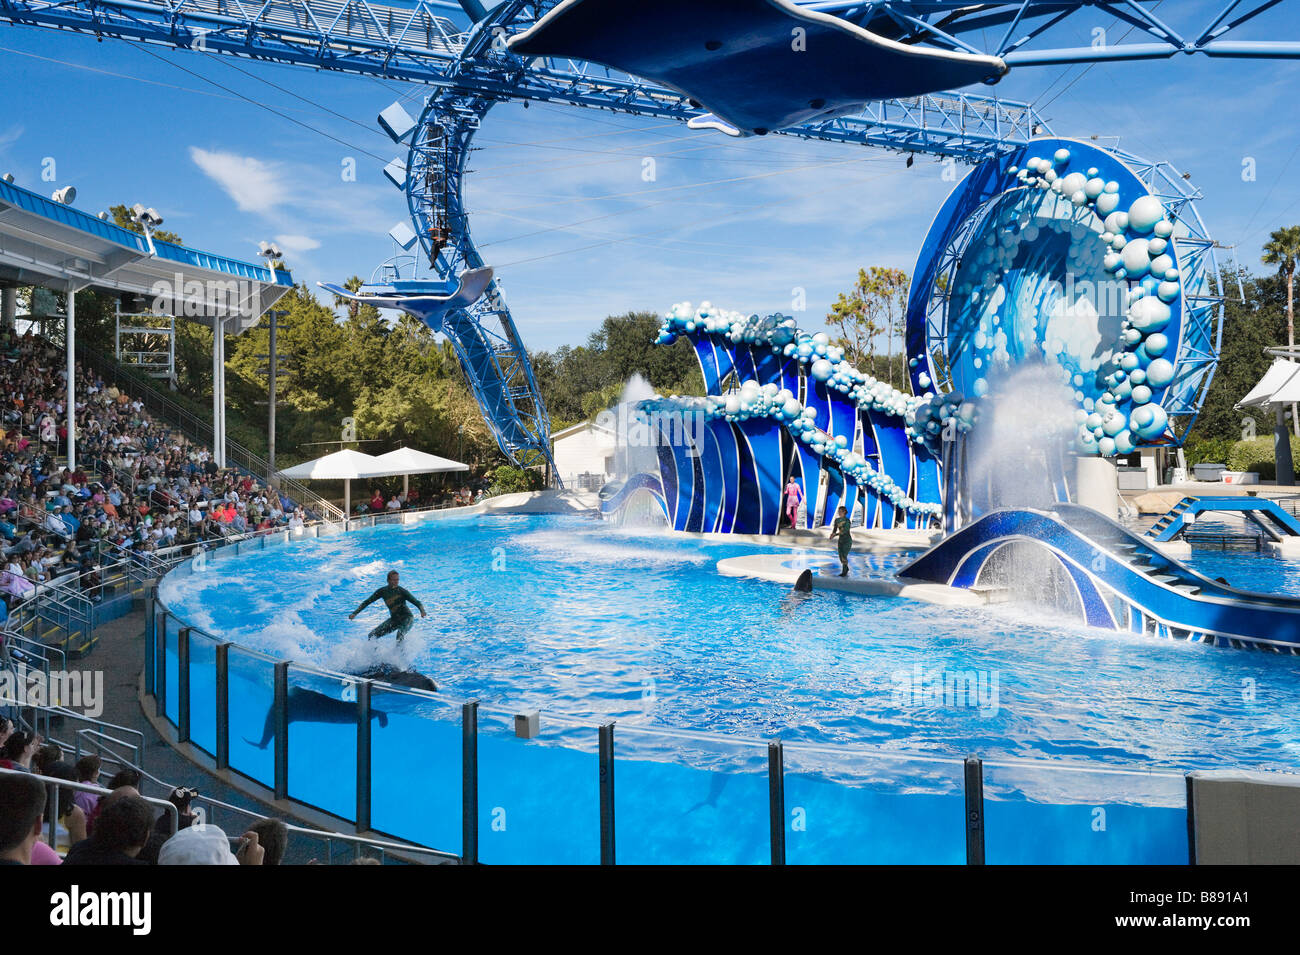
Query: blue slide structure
{"points": [[1123, 581], [1265, 514]]}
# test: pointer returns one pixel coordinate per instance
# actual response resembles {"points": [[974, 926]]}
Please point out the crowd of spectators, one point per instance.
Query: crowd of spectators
{"points": [[119, 828], [139, 485]]}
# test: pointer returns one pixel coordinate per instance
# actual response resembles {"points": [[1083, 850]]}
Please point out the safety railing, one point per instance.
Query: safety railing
{"points": [[55, 789], [502, 786], [113, 754]]}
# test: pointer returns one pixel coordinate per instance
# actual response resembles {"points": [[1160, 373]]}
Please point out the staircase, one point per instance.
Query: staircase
{"points": [[1166, 521]]}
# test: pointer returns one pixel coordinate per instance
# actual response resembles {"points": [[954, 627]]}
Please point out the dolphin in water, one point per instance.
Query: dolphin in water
{"points": [[308, 706], [387, 673], [717, 783]]}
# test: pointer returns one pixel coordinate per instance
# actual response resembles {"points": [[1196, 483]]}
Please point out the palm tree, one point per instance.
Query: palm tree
{"points": [[1283, 250]]}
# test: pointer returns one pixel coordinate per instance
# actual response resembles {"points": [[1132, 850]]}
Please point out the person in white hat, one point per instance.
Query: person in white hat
{"points": [[205, 844]]}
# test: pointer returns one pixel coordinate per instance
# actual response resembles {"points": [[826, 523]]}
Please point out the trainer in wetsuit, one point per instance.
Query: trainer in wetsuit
{"points": [[842, 532], [399, 616]]}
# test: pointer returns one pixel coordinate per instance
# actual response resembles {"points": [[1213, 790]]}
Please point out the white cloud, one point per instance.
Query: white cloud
{"points": [[10, 136], [296, 243], [256, 186]]}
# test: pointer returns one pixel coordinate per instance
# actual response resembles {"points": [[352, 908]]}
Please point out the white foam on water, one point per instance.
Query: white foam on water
{"points": [[564, 548]]}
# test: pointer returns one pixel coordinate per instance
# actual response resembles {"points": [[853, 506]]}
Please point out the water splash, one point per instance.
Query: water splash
{"points": [[1023, 443]]}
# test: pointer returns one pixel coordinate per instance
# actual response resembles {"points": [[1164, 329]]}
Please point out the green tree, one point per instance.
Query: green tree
{"points": [[122, 217], [1249, 327], [876, 304], [1282, 250]]}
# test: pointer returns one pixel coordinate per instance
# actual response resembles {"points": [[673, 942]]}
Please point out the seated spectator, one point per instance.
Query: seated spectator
{"points": [[273, 837], [22, 805], [121, 831], [376, 502], [209, 845], [70, 821], [19, 750], [46, 756], [88, 767], [394, 503]]}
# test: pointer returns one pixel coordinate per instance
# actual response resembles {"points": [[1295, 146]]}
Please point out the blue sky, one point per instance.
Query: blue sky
{"points": [[557, 199]]}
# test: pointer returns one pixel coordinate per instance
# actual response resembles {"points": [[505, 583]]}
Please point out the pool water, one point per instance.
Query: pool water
{"points": [[876, 699]]}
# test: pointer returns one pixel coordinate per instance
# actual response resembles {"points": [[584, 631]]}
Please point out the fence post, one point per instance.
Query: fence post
{"points": [[160, 669], [776, 799], [281, 705], [223, 706], [150, 650], [607, 793], [183, 685], [363, 755], [1191, 817], [974, 789], [469, 783]]}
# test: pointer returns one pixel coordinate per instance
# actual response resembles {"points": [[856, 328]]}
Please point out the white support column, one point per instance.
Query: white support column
{"points": [[1097, 484], [71, 341], [219, 392]]}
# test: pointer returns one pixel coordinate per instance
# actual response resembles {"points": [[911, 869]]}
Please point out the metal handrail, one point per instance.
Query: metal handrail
{"points": [[326, 835], [64, 712], [166, 805]]}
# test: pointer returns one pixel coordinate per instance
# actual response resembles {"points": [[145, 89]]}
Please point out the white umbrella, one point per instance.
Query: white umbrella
{"points": [[340, 466], [408, 461], [1280, 385]]}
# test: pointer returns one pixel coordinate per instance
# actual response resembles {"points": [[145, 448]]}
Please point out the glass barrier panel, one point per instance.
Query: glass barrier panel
{"points": [[684, 799], [846, 806], [323, 741], [1045, 814], [203, 691], [539, 799], [415, 768], [252, 714], [168, 628]]}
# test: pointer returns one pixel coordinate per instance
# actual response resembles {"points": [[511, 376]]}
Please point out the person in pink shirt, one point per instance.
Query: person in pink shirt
{"points": [[793, 497]]}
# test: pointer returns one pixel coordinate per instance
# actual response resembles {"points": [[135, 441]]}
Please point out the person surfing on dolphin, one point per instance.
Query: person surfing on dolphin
{"points": [[395, 598]]}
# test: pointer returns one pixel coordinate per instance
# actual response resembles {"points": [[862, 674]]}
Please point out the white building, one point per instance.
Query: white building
{"points": [[584, 455]]}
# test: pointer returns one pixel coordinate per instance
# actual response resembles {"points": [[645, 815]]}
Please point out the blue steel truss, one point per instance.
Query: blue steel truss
{"points": [[460, 49]]}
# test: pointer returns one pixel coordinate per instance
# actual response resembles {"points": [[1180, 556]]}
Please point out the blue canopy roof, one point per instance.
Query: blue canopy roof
{"points": [[94, 226]]}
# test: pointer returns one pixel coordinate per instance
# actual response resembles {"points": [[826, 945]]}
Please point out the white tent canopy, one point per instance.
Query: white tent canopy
{"points": [[340, 466], [411, 461], [1280, 385], [347, 465], [408, 461]]}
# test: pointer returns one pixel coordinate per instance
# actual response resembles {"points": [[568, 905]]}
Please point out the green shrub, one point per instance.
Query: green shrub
{"points": [[507, 479], [1208, 451], [1256, 454]]}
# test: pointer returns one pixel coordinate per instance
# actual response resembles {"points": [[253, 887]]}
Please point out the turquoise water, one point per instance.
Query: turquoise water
{"points": [[587, 623]]}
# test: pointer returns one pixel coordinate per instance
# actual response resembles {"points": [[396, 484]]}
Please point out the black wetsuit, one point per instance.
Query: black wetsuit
{"points": [[400, 617]]}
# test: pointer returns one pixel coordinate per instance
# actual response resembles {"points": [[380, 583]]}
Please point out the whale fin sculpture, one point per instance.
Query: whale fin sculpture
{"points": [[758, 65], [469, 289]]}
